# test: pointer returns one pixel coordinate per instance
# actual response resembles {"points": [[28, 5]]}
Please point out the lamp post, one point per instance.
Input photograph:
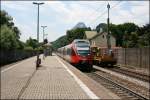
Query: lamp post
{"points": [[108, 33], [38, 60], [43, 31], [46, 35]]}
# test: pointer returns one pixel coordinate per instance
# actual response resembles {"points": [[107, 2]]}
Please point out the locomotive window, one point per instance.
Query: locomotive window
{"points": [[83, 52], [83, 45]]}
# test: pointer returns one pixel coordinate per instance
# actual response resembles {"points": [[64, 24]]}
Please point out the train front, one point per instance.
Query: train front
{"points": [[84, 56]]}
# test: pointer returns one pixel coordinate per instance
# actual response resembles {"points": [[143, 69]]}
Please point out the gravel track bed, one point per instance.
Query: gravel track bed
{"points": [[143, 71], [137, 88], [131, 73]]}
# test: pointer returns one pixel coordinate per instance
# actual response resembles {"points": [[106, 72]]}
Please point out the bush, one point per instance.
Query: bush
{"points": [[28, 48]]}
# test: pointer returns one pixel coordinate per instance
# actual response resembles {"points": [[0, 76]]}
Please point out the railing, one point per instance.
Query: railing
{"points": [[9, 56]]}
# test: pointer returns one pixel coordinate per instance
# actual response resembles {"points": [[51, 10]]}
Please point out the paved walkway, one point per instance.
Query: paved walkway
{"points": [[51, 81], [15, 77]]}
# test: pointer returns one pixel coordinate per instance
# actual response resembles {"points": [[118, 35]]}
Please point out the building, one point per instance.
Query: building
{"points": [[99, 39], [89, 34]]}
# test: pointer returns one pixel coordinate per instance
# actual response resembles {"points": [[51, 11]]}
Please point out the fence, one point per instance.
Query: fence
{"points": [[7, 57], [135, 57]]}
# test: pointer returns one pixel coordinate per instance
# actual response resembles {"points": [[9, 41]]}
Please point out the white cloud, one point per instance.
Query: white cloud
{"points": [[17, 5], [60, 16]]}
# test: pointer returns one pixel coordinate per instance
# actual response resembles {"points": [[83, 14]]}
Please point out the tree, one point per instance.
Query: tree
{"points": [[32, 43], [10, 34], [62, 41], [133, 40], [6, 19], [77, 33], [102, 26], [8, 39], [144, 35], [118, 31]]}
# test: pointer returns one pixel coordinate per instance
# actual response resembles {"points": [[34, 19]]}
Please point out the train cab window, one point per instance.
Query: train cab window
{"points": [[83, 52], [82, 45]]}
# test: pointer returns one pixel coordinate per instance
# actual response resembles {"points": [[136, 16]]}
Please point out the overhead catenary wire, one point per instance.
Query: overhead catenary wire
{"points": [[95, 10], [102, 14], [98, 9]]}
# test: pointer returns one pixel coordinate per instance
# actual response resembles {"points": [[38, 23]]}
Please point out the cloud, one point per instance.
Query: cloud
{"points": [[17, 5], [126, 11], [60, 16]]}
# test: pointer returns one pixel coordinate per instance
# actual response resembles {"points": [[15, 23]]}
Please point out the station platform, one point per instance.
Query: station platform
{"points": [[54, 79]]}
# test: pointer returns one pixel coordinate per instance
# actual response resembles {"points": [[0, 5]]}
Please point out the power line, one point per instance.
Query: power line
{"points": [[98, 9], [105, 12]]}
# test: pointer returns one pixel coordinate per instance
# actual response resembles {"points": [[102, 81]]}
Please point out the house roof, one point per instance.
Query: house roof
{"points": [[100, 34], [90, 34]]}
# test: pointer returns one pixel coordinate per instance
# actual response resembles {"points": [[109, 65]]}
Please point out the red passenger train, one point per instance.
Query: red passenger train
{"points": [[77, 53]]}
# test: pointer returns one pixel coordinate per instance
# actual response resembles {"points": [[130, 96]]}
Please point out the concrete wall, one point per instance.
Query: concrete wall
{"points": [[134, 57]]}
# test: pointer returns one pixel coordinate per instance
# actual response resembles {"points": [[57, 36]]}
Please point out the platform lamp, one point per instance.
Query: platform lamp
{"points": [[43, 31], [38, 62]]}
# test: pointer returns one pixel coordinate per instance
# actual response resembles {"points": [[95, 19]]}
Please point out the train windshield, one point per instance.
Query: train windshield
{"points": [[83, 51], [83, 48], [82, 44]]}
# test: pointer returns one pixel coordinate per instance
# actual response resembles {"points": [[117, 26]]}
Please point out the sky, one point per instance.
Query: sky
{"points": [[60, 16]]}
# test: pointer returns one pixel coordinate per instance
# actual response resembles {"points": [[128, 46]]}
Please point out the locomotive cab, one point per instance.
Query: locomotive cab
{"points": [[103, 56], [78, 53], [83, 52]]}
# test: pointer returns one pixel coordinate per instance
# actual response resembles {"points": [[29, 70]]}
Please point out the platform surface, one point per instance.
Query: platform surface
{"points": [[53, 80], [50, 81]]}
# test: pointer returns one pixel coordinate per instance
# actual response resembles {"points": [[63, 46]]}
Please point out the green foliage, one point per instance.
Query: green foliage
{"points": [[102, 26], [21, 45], [121, 32], [144, 36], [6, 19], [40, 48], [10, 34], [133, 40], [28, 48], [62, 41], [32, 43], [8, 39], [77, 33]]}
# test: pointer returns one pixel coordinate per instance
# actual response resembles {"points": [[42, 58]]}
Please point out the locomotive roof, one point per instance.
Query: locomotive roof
{"points": [[76, 40]]}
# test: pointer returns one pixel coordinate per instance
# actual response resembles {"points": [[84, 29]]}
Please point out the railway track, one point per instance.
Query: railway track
{"points": [[120, 90], [139, 76]]}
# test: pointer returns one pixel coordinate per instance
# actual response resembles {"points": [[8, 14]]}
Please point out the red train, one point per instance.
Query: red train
{"points": [[77, 53]]}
